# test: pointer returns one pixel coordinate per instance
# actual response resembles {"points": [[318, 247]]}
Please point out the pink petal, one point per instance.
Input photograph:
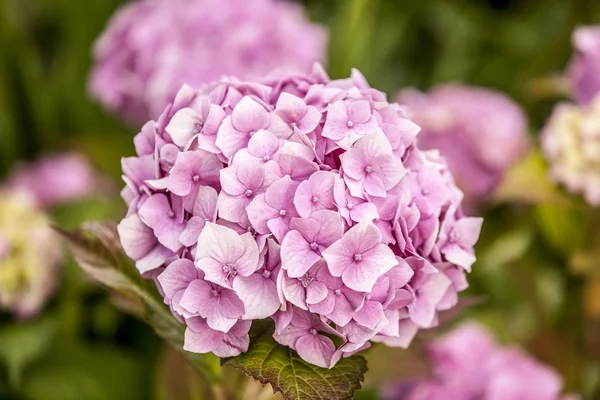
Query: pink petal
{"points": [[316, 292], [230, 304], [249, 116], [177, 276], [219, 243], [247, 263], [153, 260], [370, 315], [183, 126], [205, 205], [229, 140], [296, 255], [316, 349], [258, 294], [233, 208], [259, 212], [197, 297], [263, 144], [359, 111], [136, 237]]}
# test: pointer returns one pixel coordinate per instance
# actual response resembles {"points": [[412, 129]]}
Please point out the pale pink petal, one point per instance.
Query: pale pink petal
{"points": [[259, 295], [296, 255], [177, 276], [315, 349], [249, 116]]}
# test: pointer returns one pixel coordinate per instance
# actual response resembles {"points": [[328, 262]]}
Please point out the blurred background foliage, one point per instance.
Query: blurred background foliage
{"points": [[536, 281]]}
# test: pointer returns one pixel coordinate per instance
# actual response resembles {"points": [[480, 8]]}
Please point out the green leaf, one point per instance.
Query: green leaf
{"points": [[23, 343], [97, 249], [269, 362]]}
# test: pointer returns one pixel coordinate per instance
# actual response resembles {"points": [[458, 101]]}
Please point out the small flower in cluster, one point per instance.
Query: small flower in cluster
{"points": [[480, 132], [584, 69], [571, 144], [150, 48], [30, 255], [301, 199], [469, 364], [54, 179]]}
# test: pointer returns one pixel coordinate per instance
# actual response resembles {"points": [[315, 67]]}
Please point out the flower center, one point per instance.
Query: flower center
{"points": [[349, 206], [314, 246], [349, 124], [198, 127], [249, 193], [214, 292], [195, 178], [282, 213], [230, 270], [357, 257], [337, 292], [368, 169], [313, 331], [171, 214], [266, 158], [305, 280], [315, 199], [425, 191], [368, 296], [251, 133], [266, 273]]}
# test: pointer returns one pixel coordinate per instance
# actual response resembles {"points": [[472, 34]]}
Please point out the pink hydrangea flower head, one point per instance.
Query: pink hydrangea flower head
{"points": [[252, 200], [480, 132], [469, 363], [152, 47], [585, 64]]}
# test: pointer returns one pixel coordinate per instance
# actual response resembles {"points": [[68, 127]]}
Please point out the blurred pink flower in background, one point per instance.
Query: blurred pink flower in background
{"points": [[584, 68], [480, 133], [54, 179], [469, 364], [152, 47]]}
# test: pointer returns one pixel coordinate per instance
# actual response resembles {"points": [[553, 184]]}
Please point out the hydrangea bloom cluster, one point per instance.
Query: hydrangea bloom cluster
{"points": [[54, 179], [152, 47], [480, 132], [571, 143], [584, 68], [30, 255], [469, 364], [301, 199]]}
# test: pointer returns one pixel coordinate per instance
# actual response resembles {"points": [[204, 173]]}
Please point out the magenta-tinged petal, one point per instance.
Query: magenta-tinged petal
{"points": [[370, 315], [263, 144], [259, 295], [249, 116], [189, 236], [153, 260], [177, 276], [199, 338], [359, 112], [156, 212], [316, 292], [230, 304], [220, 244], [197, 297], [247, 263], [136, 237], [229, 140], [183, 126], [259, 213], [297, 256], [316, 349]]}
